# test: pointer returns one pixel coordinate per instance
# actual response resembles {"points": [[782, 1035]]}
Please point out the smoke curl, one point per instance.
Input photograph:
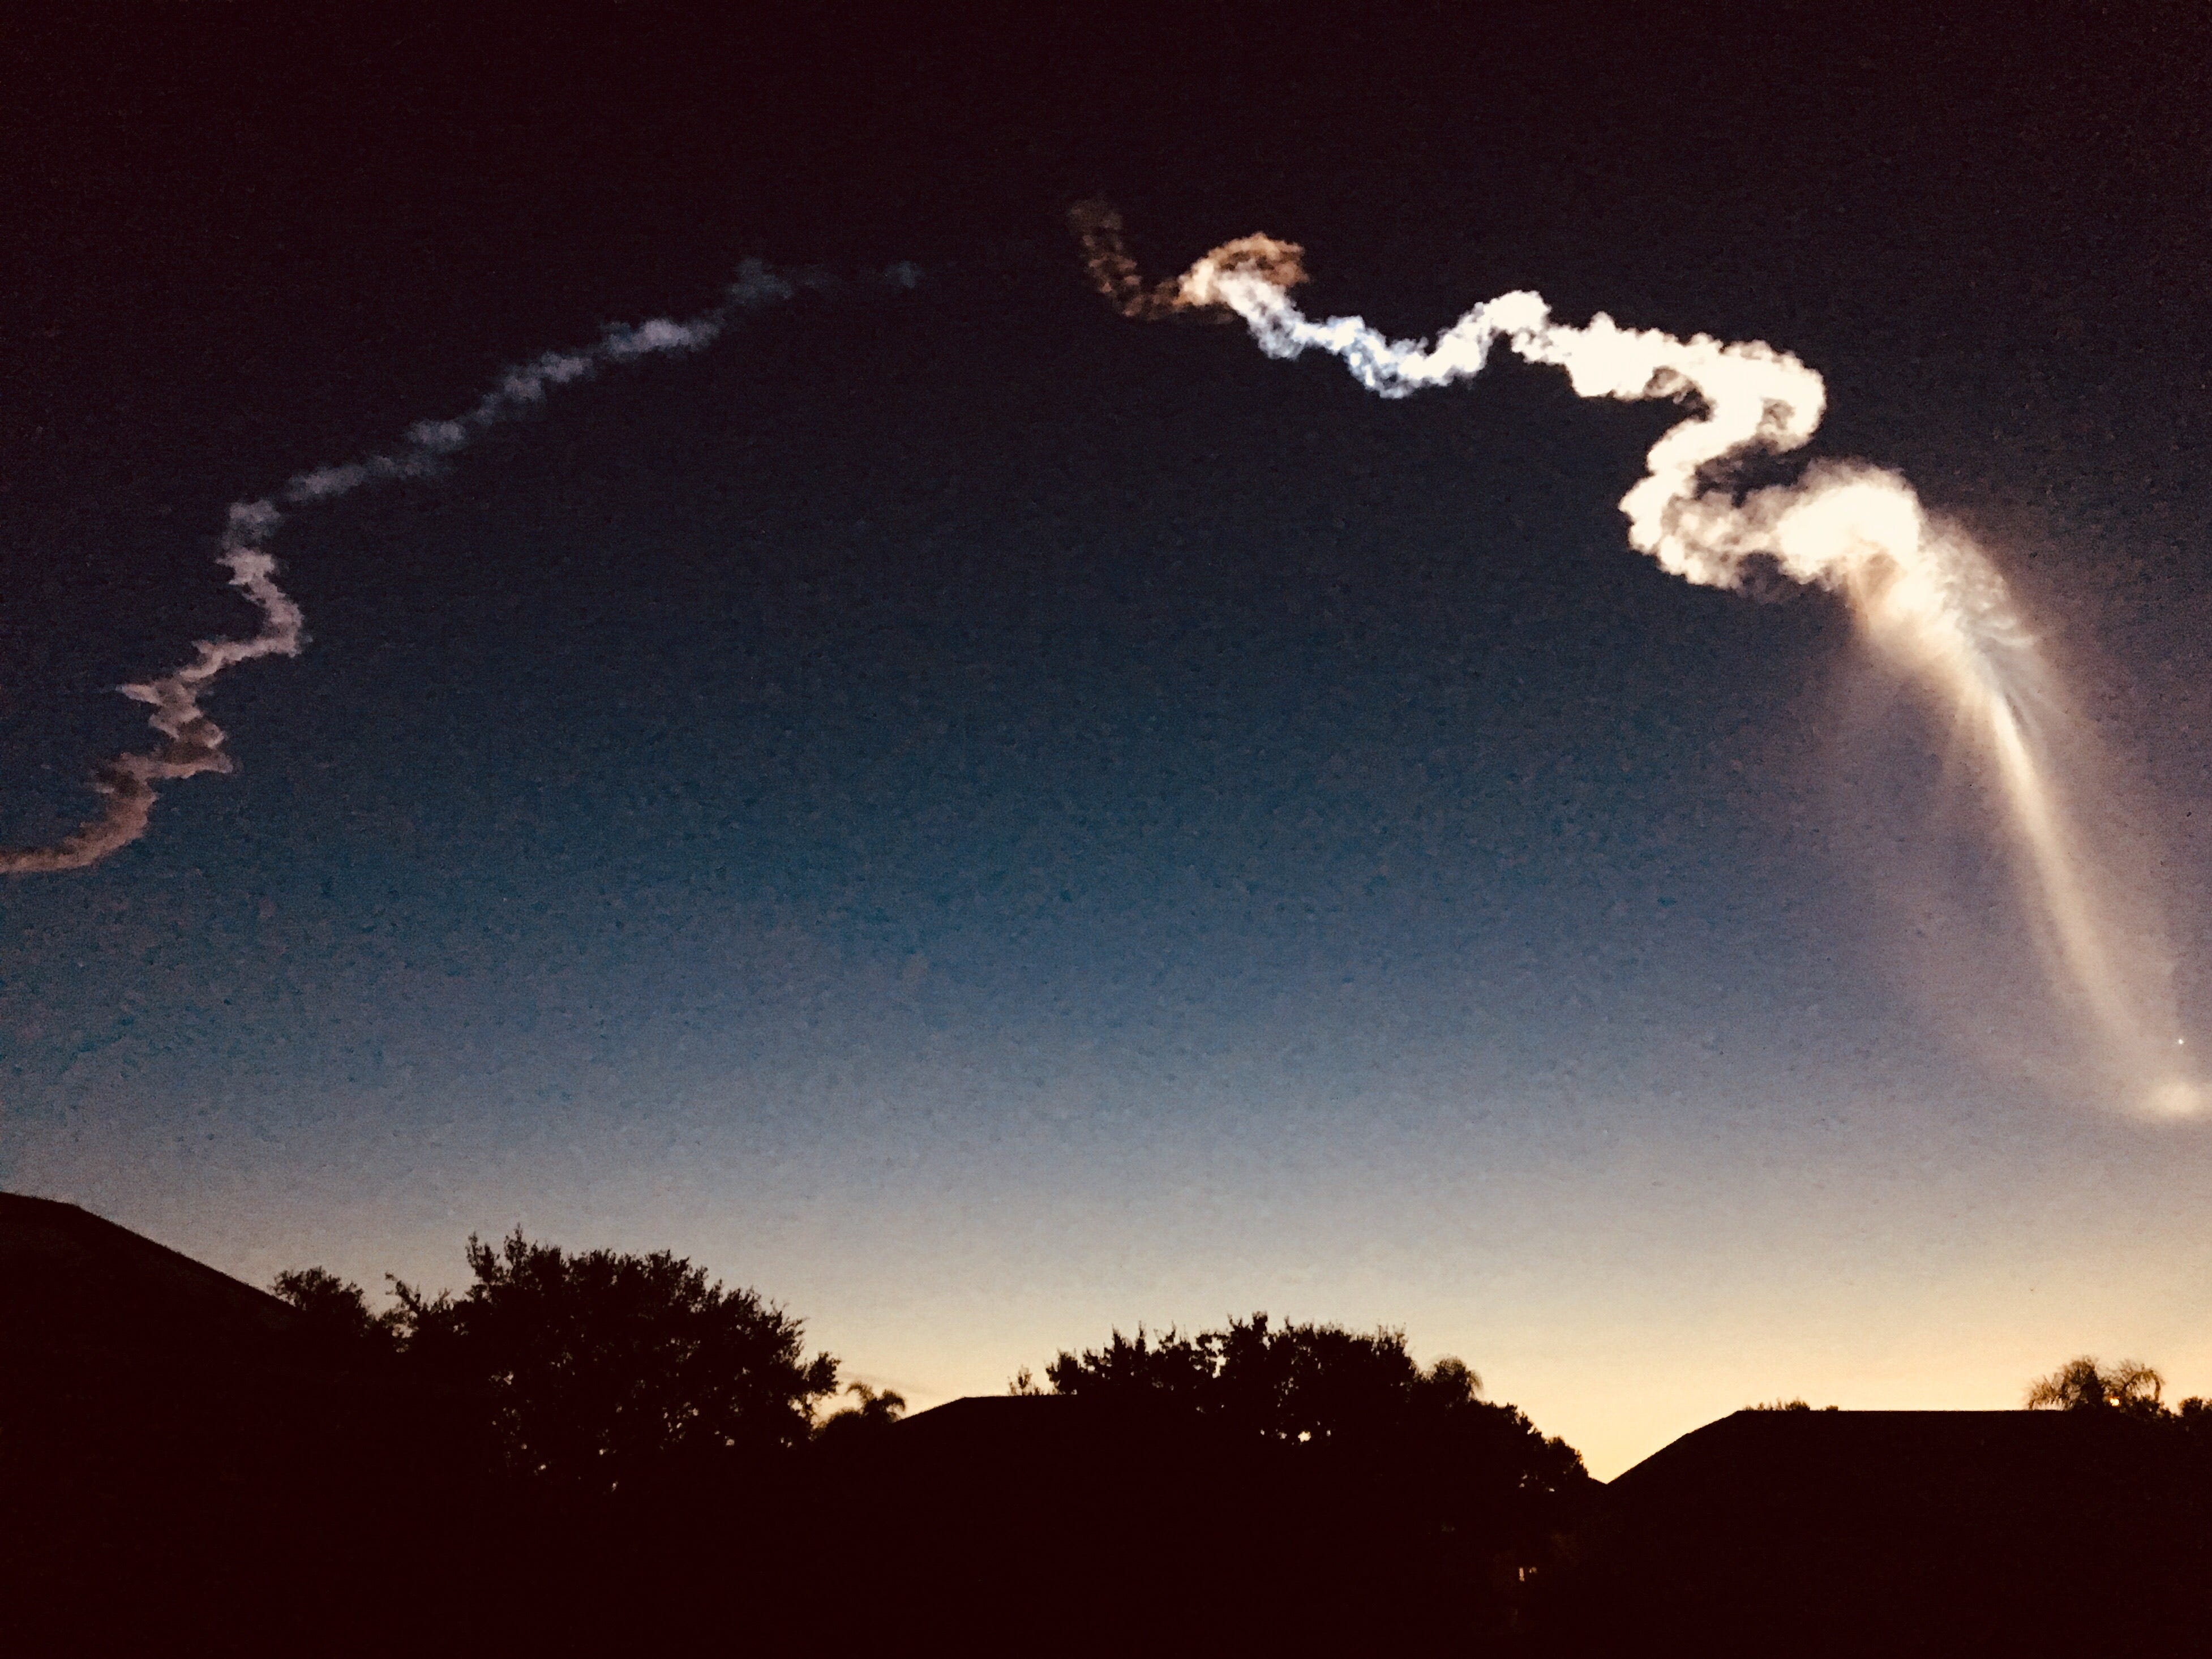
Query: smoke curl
{"points": [[1926, 596], [194, 743]]}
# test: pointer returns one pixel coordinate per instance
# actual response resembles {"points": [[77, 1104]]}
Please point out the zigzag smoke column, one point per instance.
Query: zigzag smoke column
{"points": [[1927, 598], [194, 743]]}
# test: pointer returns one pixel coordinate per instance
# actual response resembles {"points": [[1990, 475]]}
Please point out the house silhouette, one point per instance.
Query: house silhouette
{"points": [[179, 1452], [1767, 1533], [1957, 1532], [184, 1464]]}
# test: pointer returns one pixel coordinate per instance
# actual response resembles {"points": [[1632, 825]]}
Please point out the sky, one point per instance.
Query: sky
{"points": [[991, 821]]}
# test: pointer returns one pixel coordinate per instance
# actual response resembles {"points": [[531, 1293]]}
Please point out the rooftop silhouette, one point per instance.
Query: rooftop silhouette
{"points": [[181, 1452]]}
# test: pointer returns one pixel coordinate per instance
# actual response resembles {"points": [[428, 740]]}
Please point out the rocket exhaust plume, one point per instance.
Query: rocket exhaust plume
{"points": [[192, 742], [1928, 600]]}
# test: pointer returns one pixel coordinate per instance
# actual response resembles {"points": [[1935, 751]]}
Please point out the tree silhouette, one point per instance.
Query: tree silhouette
{"points": [[335, 1311], [1310, 1384], [601, 1370], [1356, 1411], [857, 1424], [2080, 1384]]}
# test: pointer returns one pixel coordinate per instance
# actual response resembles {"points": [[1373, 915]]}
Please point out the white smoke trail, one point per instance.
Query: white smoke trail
{"points": [[1928, 598], [194, 743]]}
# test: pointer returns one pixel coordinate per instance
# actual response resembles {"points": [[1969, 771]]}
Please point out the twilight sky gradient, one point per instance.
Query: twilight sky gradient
{"points": [[988, 822]]}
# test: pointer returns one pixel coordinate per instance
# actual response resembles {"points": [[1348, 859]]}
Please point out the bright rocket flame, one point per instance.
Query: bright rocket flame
{"points": [[1927, 599]]}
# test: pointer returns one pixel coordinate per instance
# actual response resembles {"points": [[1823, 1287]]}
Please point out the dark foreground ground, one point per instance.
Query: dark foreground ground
{"points": [[180, 1473]]}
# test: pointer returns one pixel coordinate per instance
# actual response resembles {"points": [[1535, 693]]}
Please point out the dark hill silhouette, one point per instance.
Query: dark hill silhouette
{"points": [[1813, 1533]]}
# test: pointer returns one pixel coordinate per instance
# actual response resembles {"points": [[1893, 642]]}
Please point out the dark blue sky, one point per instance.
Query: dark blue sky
{"points": [[988, 821]]}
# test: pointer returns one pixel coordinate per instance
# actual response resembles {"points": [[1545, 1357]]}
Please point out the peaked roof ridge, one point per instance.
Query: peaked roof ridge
{"points": [[72, 1278]]}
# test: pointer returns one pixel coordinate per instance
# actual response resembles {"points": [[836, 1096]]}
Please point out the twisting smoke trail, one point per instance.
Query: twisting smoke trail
{"points": [[193, 743], [1928, 598]]}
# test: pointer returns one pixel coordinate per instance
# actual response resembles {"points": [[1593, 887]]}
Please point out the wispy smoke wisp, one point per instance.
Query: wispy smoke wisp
{"points": [[192, 742], [1928, 598]]}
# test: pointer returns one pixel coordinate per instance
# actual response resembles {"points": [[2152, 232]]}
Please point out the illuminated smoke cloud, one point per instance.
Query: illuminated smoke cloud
{"points": [[193, 743], [1928, 598]]}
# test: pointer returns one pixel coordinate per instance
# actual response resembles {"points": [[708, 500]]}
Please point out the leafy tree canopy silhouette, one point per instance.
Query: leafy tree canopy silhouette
{"points": [[857, 1424], [2082, 1384], [604, 1370], [336, 1313], [1346, 1399]]}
